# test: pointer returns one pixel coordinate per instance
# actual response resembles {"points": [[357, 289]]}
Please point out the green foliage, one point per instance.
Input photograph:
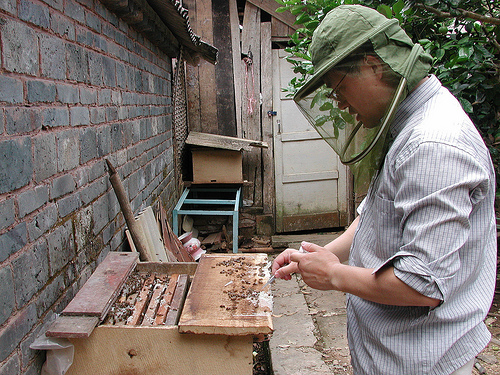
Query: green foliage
{"points": [[465, 48]]}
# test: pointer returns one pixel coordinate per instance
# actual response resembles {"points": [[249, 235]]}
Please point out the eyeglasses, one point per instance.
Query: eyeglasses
{"points": [[334, 94]]}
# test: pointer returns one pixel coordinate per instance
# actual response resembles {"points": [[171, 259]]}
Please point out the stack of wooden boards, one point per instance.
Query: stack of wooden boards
{"points": [[209, 331], [162, 245]]}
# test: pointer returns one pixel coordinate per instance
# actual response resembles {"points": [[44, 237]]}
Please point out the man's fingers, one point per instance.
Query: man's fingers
{"points": [[286, 271]]}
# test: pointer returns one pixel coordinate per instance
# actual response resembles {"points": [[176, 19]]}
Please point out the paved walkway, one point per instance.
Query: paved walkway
{"points": [[310, 335]]}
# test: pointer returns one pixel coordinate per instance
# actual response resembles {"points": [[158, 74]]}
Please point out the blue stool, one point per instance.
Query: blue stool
{"points": [[211, 206]]}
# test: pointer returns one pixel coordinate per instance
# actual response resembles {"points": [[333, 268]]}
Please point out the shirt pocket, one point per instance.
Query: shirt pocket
{"points": [[387, 228]]}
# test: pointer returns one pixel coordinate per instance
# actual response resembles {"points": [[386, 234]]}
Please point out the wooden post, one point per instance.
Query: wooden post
{"points": [[134, 228], [267, 119], [251, 102], [237, 72]]}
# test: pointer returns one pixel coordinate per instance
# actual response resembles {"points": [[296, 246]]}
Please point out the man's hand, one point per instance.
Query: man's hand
{"points": [[283, 267], [316, 266]]}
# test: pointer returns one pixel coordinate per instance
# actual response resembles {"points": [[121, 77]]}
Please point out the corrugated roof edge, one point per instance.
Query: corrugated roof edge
{"points": [[165, 23]]}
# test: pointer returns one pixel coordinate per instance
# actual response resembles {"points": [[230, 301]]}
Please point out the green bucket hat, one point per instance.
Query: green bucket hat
{"points": [[346, 28]]}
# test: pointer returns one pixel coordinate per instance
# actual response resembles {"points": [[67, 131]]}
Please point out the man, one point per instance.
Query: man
{"points": [[422, 253]]}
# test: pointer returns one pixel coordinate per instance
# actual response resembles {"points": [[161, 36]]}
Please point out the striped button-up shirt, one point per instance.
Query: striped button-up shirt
{"points": [[430, 214]]}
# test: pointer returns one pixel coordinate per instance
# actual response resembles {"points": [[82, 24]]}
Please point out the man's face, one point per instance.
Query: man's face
{"points": [[362, 92]]}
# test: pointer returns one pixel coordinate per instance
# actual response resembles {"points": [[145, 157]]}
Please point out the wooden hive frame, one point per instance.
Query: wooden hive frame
{"points": [[149, 342]]}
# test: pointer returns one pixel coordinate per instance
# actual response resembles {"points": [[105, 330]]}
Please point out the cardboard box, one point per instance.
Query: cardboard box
{"points": [[220, 166]]}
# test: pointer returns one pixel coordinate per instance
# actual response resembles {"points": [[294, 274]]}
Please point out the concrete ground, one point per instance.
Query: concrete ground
{"points": [[310, 325]]}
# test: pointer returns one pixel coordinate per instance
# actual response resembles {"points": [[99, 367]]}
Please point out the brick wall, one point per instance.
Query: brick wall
{"points": [[77, 85]]}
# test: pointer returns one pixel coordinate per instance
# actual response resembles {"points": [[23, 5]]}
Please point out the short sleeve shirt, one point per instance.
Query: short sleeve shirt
{"points": [[429, 213]]}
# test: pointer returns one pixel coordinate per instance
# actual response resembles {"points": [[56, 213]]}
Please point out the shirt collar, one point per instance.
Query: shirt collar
{"points": [[413, 101]]}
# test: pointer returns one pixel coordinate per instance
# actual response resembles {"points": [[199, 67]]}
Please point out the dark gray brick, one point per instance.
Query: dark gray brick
{"points": [[62, 185], [31, 272], [55, 116], [61, 247], [20, 48], [97, 115], [52, 57], [88, 145], [100, 211], [79, 116], [41, 91], [13, 332], [121, 76], [93, 191], [68, 94], [116, 137], [104, 140], [9, 6], [88, 95], [8, 300], [68, 150], [104, 96], [2, 122], [11, 367], [13, 241], [32, 199], [11, 90], [74, 10], [20, 120], [69, 204], [109, 72], [95, 67], [7, 213], [42, 222], [116, 97], [34, 13], [62, 26], [56, 4], [52, 292], [111, 114], [16, 167], [45, 163], [92, 21], [78, 63]]}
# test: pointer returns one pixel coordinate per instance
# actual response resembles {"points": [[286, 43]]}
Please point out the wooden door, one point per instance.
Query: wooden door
{"points": [[311, 182]]}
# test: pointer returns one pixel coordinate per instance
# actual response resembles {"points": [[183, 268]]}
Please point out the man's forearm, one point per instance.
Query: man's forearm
{"points": [[382, 287]]}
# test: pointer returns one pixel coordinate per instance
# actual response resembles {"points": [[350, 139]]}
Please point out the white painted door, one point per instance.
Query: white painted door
{"points": [[311, 182]]}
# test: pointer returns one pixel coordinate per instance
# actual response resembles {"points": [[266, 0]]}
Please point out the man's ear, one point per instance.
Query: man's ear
{"points": [[374, 63]]}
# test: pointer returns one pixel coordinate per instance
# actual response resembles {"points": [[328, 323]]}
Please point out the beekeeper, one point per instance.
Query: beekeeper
{"points": [[422, 253]]}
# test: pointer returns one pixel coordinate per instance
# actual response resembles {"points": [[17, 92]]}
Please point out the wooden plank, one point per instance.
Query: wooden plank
{"points": [[141, 302], [177, 300], [226, 111], [143, 225], [225, 297], [171, 241], [154, 232], [280, 31], [212, 238], [101, 289], [250, 45], [270, 7], [208, 88], [224, 142], [237, 63], [268, 202], [158, 288], [72, 326], [160, 351], [193, 76], [166, 300], [188, 268]]}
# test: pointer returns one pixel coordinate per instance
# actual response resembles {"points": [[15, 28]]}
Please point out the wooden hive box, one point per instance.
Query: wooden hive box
{"points": [[218, 159], [185, 317]]}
